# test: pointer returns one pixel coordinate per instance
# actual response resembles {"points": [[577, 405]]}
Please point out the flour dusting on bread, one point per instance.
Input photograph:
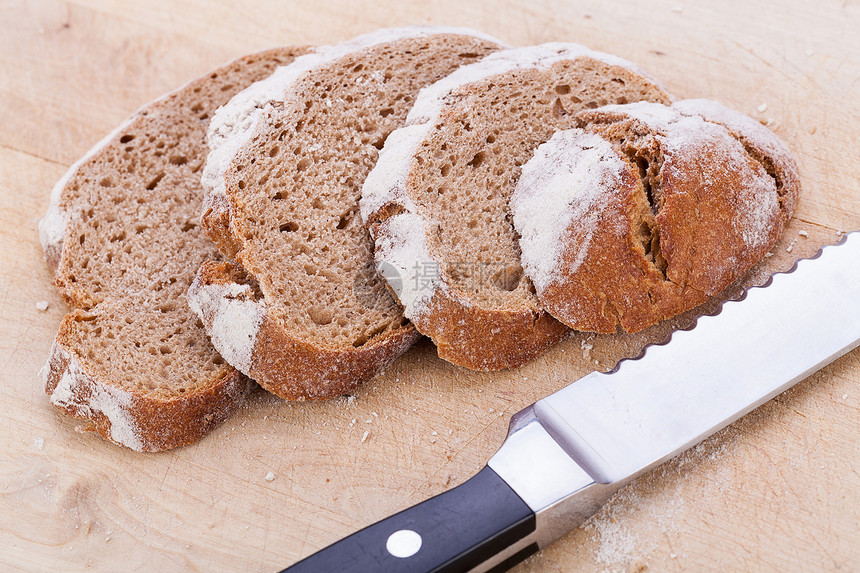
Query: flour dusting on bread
{"points": [[695, 210], [232, 319], [78, 392], [413, 275], [570, 180], [757, 201]]}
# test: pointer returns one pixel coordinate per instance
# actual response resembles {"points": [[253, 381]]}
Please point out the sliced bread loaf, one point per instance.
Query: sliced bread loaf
{"points": [[123, 233], [437, 201], [647, 210], [288, 157]]}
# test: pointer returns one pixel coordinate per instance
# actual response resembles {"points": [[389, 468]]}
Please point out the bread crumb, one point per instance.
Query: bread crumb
{"points": [[810, 53], [768, 254], [365, 436], [844, 397], [586, 349], [762, 108], [803, 233], [42, 305], [39, 443], [270, 476], [790, 248], [434, 433]]}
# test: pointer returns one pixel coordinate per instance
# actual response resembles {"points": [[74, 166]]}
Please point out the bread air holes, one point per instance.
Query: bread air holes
{"points": [[562, 89], [288, 227], [507, 278], [319, 315], [477, 160], [178, 160], [154, 181], [126, 138], [344, 219]]}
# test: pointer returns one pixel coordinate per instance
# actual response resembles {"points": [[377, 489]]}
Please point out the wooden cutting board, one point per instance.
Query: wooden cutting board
{"points": [[779, 490]]}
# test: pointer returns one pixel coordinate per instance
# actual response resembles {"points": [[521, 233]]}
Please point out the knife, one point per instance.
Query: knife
{"points": [[566, 454]]}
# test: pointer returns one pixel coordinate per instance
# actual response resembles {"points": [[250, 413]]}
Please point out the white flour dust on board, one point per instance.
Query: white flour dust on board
{"points": [[657, 499]]}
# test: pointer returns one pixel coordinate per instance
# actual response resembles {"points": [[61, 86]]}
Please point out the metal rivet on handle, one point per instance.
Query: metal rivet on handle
{"points": [[403, 543]]}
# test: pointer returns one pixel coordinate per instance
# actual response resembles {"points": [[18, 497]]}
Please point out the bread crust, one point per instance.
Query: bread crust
{"points": [[761, 144], [691, 212], [139, 421], [137, 415], [458, 329], [280, 362]]}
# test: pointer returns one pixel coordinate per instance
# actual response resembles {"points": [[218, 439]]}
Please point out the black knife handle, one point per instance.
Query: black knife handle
{"points": [[458, 530]]}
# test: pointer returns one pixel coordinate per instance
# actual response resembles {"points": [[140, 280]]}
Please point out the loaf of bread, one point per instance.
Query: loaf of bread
{"points": [[288, 157], [436, 202], [123, 233], [646, 210]]}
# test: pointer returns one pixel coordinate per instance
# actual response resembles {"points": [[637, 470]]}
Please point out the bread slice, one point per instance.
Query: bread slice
{"points": [[284, 175], [646, 211], [437, 200], [123, 233]]}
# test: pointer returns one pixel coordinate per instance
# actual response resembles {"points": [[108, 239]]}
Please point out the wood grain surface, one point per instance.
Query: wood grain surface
{"points": [[779, 490]]}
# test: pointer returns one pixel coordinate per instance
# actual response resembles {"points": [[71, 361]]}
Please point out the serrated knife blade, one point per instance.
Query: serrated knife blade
{"points": [[569, 452]]}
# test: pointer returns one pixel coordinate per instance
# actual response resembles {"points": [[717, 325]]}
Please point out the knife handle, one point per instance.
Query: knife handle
{"points": [[455, 531]]}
